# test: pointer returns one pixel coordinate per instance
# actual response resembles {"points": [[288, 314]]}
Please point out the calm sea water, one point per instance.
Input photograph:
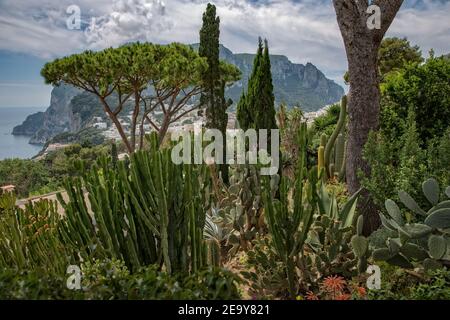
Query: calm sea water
{"points": [[15, 146]]}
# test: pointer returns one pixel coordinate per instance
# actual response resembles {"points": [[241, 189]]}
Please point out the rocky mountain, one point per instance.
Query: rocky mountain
{"points": [[71, 110], [294, 84]]}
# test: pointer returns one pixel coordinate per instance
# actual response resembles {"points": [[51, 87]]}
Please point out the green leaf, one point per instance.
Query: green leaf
{"points": [[360, 225], [359, 245], [437, 246], [386, 223], [394, 212], [410, 203], [417, 230], [381, 254], [441, 205], [347, 213], [439, 219], [431, 191], [400, 261], [414, 251]]}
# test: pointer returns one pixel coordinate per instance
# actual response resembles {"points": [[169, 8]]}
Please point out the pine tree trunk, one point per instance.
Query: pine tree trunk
{"points": [[363, 110], [362, 44]]}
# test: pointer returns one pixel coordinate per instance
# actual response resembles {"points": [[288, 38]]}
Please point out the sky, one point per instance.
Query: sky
{"points": [[33, 32]]}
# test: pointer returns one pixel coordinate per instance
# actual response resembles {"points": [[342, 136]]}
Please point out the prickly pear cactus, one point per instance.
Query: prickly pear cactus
{"points": [[330, 238], [240, 211], [426, 244]]}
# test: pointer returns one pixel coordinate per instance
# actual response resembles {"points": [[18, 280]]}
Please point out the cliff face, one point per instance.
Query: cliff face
{"points": [[72, 110], [58, 118], [293, 83]]}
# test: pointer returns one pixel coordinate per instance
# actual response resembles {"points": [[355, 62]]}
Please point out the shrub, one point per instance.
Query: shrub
{"points": [[110, 280], [426, 89]]}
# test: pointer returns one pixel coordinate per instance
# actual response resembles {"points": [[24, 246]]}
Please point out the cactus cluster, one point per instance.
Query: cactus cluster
{"points": [[426, 243], [150, 212], [29, 236], [330, 237], [331, 152], [238, 213], [289, 224]]}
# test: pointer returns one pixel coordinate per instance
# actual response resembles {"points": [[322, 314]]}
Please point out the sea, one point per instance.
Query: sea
{"points": [[16, 146]]}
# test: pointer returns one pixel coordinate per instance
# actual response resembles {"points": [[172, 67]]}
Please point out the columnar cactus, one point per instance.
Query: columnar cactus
{"points": [[289, 225], [332, 140], [152, 211]]}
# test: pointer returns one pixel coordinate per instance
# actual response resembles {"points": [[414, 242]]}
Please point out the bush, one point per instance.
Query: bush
{"points": [[423, 88], [111, 280], [399, 284], [403, 164]]}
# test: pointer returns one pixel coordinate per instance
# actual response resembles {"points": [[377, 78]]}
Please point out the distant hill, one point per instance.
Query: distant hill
{"points": [[72, 110], [293, 83]]}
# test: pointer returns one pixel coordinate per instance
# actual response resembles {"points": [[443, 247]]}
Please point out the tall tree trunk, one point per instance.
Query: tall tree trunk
{"points": [[363, 110], [362, 43]]}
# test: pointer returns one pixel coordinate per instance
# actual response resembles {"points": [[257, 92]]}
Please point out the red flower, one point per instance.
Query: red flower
{"points": [[333, 284], [311, 296]]}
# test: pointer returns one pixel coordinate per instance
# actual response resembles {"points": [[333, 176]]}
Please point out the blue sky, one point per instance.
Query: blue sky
{"points": [[35, 31]]}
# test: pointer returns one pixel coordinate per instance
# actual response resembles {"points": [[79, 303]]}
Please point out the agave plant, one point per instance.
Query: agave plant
{"points": [[426, 243]]}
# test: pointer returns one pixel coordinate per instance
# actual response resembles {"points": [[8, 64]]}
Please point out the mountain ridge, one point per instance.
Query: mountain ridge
{"points": [[72, 110]]}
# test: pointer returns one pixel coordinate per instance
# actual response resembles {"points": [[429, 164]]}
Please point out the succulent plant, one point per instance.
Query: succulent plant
{"points": [[427, 242], [336, 142], [238, 211], [331, 234], [288, 224]]}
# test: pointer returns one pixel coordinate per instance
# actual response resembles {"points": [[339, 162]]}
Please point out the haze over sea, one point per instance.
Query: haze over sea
{"points": [[15, 146]]}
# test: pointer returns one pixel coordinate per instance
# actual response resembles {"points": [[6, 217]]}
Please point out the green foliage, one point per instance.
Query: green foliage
{"points": [[326, 122], [126, 72], [267, 278], [402, 164], [110, 280], [332, 146], [423, 88], [238, 212], [330, 238], [150, 212], [257, 108], [213, 97], [399, 284], [395, 54], [289, 225], [29, 237], [425, 242], [26, 175]]}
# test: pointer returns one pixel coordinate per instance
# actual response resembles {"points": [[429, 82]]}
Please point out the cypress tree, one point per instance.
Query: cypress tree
{"points": [[213, 97], [256, 109], [265, 112]]}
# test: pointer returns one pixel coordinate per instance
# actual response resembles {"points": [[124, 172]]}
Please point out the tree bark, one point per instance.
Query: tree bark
{"points": [[362, 45]]}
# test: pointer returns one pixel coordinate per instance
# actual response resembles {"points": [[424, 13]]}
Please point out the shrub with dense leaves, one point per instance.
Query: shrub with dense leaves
{"points": [[111, 280]]}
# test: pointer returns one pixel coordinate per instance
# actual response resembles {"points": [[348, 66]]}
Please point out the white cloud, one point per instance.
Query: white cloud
{"points": [[130, 20], [305, 31]]}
